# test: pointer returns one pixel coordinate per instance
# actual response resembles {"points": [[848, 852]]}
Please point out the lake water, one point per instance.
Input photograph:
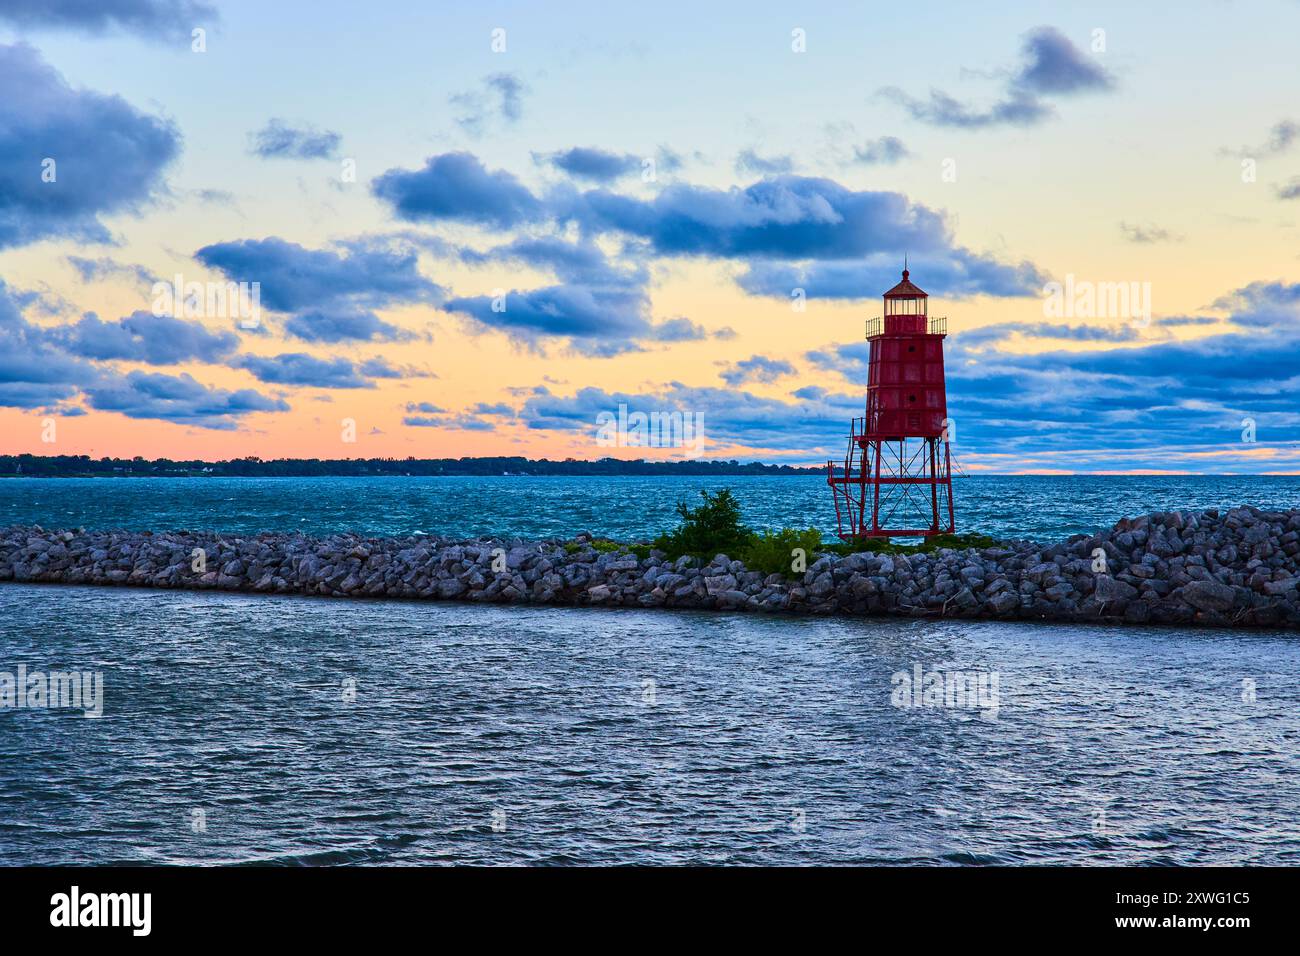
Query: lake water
{"points": [[239, 729], [1038, 508], [595, 736]]}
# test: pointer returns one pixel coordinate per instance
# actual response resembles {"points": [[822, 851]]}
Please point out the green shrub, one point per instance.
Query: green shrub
{"points": [[957, 542], [772, 551], [711, 529], [873, 545], [714, 527], [606, 546]]}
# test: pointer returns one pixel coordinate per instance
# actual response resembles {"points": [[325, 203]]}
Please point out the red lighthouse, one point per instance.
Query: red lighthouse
{"points": [[896, 477]]}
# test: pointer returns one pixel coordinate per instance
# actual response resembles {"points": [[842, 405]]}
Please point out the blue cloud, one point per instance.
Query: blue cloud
{"points": [[1263, 305], [457, 187], [602, 309], [1289, 189], [601, 321], [501, 96], [955, 273], [428, 415], [784, 217], [883, 150], [802, 218], [143, 337], [96, 270], [510, 89], [793, 219], [1176, 321], [680, 330], [1281, 137], [668, 160], [497, 408], [728, 416], [151, 19], [581, 262], [455, 422], [1148, 234], [1056, 66], [756, 368], [34, 371], [749, 161], [180, 399], [597, 165], [33, 374], [107, 156], [1052, 66], [380, 368], [1000, 332], [1018, 109], [279, 140], [342, 326], [331, 292], [38, 369], [298, 368]]}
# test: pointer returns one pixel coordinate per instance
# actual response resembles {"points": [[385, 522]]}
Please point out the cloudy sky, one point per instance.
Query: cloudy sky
{"points": [[475, 227]]}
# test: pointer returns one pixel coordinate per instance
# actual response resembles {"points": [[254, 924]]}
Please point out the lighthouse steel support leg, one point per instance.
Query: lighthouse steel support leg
{"points": [[861, 464], [947, 477], [934, 486], [875, 507]]}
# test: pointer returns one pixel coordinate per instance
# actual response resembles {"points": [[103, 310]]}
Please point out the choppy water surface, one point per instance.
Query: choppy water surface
{"points": [[1039, 508], [760, 740]]}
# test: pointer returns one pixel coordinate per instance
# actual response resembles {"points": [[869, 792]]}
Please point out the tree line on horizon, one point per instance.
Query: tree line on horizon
{"points": [[70, 466]]}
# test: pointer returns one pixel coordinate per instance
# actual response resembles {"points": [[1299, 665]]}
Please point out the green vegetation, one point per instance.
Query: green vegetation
{"points": [[715, 527], [873, 545], [606, 546], [712, 528], [955, 542], [772, 552]]}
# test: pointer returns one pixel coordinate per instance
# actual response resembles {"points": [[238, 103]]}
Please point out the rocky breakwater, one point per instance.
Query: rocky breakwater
{"points": [[1235, 568]]}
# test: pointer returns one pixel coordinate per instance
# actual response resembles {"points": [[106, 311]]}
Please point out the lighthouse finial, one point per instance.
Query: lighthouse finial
{"points": [[905, 265]]}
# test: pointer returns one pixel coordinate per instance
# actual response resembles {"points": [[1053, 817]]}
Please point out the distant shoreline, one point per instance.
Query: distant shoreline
{"points": [[83, 466], [812, 473], [774, 472], [809, 473]]}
